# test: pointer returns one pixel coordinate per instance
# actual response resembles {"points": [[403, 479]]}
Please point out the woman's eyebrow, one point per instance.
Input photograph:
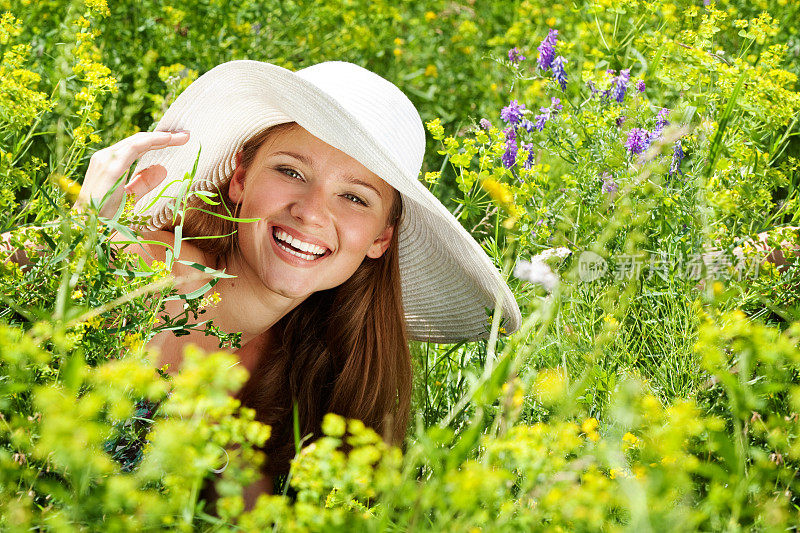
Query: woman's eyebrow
{"points": [[300, 157], [356, 181]]}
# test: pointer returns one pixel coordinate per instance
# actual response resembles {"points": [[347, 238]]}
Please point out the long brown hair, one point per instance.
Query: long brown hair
{"points": [[343, 350]]}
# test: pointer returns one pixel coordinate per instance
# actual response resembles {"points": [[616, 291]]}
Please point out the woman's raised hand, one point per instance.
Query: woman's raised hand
{"points": [[107, 166]]}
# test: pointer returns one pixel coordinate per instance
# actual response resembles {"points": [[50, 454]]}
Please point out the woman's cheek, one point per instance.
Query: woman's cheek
{"points": [[358, 234]]}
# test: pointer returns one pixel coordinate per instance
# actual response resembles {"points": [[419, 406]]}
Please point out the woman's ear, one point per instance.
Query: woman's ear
{"points": [[381, 243], [236, 186]]}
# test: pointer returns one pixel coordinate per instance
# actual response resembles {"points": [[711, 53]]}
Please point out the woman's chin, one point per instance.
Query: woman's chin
{"points": [[290, 289], [292, 293]]}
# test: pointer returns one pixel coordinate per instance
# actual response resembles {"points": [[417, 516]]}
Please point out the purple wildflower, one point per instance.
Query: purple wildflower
{"points": [[661, 118], [620, 120], [510, 133], [619, 85], [547, 113], [661, 123], [509, 157], [547, 51], [609, 185], [541, 120], [512, 113], [637, 141], [527, 125], [529, 161], [559, 73], [515, 56], [640, 86], [677, 157], [592, 87], [485, 124]]}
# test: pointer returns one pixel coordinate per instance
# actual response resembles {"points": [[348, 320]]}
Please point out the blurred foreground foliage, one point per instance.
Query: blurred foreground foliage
{"points": [[665, 398]]}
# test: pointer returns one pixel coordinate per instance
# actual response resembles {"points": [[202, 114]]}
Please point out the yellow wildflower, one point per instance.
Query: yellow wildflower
{"points": [[132, 342], [211, 300], [550, 386], [71, 188], [499, 192], [432, 177], [93, 323], [589, 428], [616, 472], [518, 399], [612, 322], [589, 425], [718, 287], [630, 438], [100, 7], [436, 128]]}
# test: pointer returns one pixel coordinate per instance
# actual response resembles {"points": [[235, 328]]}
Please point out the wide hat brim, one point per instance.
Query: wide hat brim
{"points": [[448, 282]]}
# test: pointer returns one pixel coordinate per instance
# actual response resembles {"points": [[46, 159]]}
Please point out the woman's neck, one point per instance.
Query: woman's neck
{"points": [[246, 305]]}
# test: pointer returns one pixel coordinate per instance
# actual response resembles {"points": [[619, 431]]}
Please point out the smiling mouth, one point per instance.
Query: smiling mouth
{"points": [[296, 247]]}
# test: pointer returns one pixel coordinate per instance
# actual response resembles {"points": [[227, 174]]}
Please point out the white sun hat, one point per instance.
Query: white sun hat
{"points": [[447, 282]]}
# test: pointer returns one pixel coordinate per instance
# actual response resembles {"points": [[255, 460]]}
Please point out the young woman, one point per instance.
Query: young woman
{"points": [[347, 254]]}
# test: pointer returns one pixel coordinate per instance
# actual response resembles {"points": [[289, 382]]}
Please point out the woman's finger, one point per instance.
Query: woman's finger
{"points": [[114, 161], [136, 145], [146, 180]]}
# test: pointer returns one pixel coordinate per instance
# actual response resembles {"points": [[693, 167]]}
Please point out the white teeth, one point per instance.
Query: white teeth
{"points": [[281, 235], [307, 257]]}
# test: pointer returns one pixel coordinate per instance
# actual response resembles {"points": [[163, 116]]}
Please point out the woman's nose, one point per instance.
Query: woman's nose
{"points": [[311, 207]]}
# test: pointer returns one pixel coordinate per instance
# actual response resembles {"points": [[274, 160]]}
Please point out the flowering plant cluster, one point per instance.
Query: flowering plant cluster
{"points": [[632, 154]]}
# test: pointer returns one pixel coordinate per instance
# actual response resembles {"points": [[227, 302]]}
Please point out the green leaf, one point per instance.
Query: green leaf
{"points": [[224, 217], [206, 196]]}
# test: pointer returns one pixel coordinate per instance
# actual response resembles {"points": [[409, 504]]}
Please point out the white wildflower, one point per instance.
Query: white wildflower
{"points": [[560, 252], [536, 271]]}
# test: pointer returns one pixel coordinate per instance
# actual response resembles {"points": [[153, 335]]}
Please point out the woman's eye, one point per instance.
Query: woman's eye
{"points": [[355, 199], [292, 173]]}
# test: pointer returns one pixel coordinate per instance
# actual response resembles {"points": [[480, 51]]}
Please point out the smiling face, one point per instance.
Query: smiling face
{"points": [[320, 213]]}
